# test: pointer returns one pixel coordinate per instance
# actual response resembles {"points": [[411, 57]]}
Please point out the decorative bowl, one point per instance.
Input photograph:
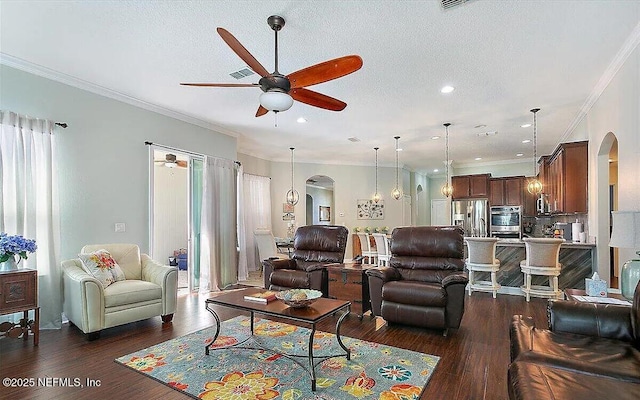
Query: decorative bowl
{"points": [[298, 298]]}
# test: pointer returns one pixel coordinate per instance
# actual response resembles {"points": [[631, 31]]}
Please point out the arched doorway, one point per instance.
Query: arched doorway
{"points": [[607, 201], [320, 190]]}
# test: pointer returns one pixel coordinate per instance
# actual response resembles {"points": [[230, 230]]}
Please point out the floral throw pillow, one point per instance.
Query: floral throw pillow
{"points": [[102, 266]]}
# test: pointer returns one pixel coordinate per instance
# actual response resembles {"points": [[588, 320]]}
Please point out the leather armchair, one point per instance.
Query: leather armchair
{"points": [[149, 289], [424, 284], [589, 351], [314, 247]]}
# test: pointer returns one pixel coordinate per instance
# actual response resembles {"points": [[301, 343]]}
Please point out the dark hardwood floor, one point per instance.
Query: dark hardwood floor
{"points": [[473, 363]]}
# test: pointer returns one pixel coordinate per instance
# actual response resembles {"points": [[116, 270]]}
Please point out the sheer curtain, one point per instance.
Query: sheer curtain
{"points": [[218, 240], [29, 203], [243, 273], [256, 214]]}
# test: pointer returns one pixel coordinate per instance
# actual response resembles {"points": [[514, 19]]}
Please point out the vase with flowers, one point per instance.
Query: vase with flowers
{"points": [[13, 249]]}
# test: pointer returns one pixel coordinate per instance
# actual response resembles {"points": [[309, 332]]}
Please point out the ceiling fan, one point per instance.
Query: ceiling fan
{"points": [[280, 90], [171, 161]]}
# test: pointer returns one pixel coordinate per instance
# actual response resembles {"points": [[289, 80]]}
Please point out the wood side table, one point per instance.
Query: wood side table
{"points": [[349, 282], [19, 293]]}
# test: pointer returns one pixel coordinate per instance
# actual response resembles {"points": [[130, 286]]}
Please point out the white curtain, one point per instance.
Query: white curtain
{"points": [[243, 273], [256, 214], [219, 252], [29, 203]]}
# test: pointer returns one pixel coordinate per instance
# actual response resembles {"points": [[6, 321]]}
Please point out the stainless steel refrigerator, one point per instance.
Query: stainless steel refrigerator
{"points": [[472, 215]]}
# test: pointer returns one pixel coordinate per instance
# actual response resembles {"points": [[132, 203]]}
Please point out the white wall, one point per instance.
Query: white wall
{"points": [[617, 110], [500, 170], [351, 183], [254, 165], [102, 161]]}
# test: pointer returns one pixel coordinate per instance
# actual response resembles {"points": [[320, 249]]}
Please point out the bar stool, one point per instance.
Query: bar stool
{"points": [[368, 252], [482, 258], [542, 259], [383, 250]]}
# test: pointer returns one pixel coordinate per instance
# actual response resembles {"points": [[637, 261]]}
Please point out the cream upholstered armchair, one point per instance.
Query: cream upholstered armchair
{"points": [[148, 289]]}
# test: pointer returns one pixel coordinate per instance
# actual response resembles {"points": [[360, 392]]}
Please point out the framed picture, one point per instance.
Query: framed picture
{"points": [[368, 209], [287, 208], [325, 213]]}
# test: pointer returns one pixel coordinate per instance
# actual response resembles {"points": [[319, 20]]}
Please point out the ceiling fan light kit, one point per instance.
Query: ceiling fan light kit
{"points": [[280, 90], [276, 101]]}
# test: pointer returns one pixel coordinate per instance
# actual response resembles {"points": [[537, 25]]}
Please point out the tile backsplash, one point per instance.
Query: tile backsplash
{"points": [[538, 224]]}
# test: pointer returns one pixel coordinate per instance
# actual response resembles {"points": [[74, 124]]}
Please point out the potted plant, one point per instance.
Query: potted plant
{"points": [[12, 247]]}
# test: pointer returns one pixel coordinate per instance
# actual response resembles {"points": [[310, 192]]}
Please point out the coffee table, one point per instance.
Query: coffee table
{"points": [[321, 309], [570, 293]]}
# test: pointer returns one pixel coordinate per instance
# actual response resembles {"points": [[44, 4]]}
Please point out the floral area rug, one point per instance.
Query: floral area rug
{"points": [[375, 371]]}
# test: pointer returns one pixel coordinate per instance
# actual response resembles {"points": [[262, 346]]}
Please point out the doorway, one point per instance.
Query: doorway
{"points": [[320, 200], [175, 206], [607, 201]]}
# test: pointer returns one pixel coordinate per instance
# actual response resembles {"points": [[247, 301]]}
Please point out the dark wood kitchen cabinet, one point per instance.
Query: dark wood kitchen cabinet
{"points": [[506, 191], [470, 186], [566, 182]]}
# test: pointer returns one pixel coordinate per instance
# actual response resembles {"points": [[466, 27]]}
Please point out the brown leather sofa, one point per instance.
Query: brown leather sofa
{"points": [[590, 351], [314, 247], [424, 284]]}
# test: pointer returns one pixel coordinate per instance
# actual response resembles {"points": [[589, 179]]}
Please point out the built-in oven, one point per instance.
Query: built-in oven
{"points": [[506, 221]]}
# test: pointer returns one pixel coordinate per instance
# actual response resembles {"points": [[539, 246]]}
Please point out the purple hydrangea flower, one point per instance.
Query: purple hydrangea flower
{"points": [[11, 246]]}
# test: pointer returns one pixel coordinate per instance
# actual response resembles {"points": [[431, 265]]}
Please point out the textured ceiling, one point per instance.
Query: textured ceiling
{"points": [[503, 58]]}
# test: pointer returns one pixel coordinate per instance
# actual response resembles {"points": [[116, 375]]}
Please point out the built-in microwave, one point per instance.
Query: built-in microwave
{"points": [[506, 221]]}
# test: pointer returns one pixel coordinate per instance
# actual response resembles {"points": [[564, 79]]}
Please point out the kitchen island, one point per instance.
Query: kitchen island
{"points": [[577, 259]]}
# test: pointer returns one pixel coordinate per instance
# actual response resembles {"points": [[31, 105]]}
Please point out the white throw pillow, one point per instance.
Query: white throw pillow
{"points": [[102, 266]]}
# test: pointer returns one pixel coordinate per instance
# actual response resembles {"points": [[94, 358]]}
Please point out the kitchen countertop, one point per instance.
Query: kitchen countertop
{"points": [[572, 245]]}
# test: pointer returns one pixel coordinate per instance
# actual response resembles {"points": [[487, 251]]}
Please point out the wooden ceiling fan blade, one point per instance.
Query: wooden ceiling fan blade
{"points": [[261, 111], [221, 84], [242, 52], [317, 99], [325, 71]]}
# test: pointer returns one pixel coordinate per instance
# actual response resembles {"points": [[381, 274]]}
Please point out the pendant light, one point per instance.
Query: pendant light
{"points": [[292, 195], [396, 193], [447, 189], [376, 195], [535, 186]]}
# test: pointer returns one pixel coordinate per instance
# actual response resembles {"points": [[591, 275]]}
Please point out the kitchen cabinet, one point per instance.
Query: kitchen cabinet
{"points": [[528, 200], [470, 186], [567, 180], [506, 191]]}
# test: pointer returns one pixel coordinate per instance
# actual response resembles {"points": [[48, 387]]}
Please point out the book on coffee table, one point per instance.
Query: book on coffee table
{"points": [[262, 297]]}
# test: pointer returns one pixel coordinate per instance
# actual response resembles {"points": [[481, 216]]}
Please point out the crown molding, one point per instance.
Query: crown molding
{"points": [[26, 66], [618, 61]]}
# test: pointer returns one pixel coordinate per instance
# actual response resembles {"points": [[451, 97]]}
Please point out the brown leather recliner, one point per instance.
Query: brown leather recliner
{"points": [[590, 351], [424, 284], [314, 247]]}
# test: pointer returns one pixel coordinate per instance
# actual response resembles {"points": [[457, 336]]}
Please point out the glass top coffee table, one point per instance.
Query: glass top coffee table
{"points": [[321, 309]]}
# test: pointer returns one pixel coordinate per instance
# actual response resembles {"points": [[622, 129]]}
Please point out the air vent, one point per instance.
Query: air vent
{"points": [[242, 73], [490, 133], [353, 139], [447, 4]]}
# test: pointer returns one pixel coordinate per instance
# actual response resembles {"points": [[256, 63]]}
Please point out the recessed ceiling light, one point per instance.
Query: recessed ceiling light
{"points": [[435, 137], [398, 149], [353, 139], [519, 155], [447, 89], [436, 170], [526, 141], [480, 126], [478, 158], [525, 125], [301, 120]]}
